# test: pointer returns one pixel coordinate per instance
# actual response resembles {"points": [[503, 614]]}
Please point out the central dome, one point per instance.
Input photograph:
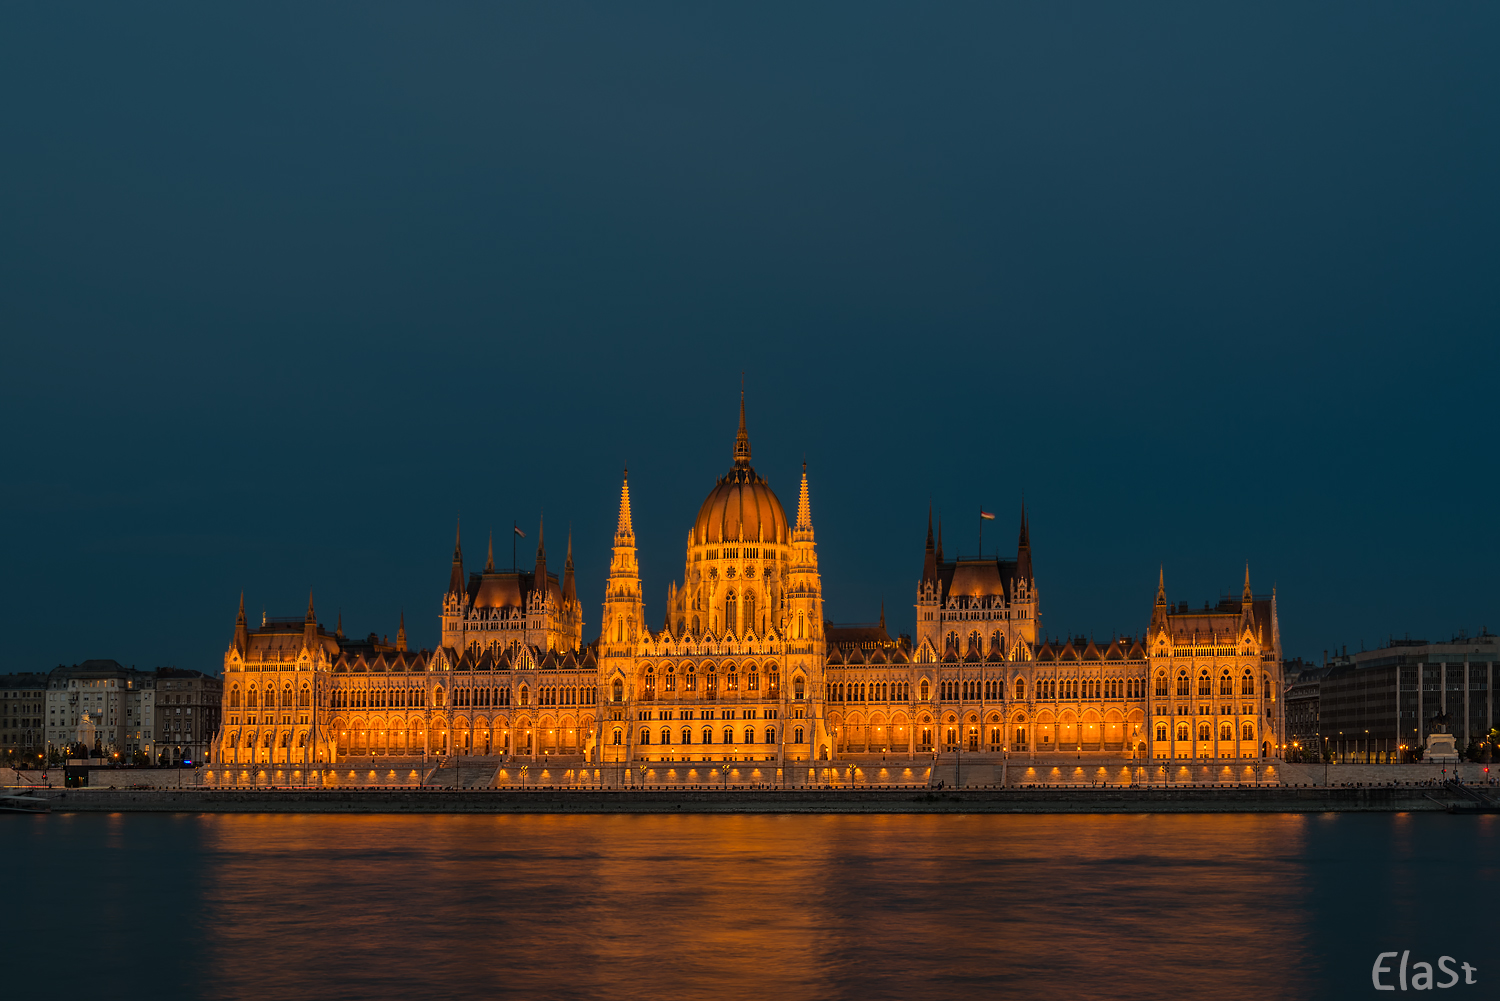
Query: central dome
{"points": [[742, 507]]}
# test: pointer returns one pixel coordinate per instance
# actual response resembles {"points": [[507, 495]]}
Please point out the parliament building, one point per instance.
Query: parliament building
{"points": [[744, 674]]}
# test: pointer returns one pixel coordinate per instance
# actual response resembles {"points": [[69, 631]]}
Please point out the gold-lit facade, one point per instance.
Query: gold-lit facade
{"points": [[744, 671]]}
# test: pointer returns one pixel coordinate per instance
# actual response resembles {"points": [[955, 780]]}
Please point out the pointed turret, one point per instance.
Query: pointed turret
{"points": [[1245, 595], [569, 587], [1161, 586], [929, 559], [338, 630], [1023, 548], [456, 577], [541, 557], [401, 632], [310, 625], [623, 528], [742, 440], [241, 629], [882, 615], [489, 561], [803, 532]]}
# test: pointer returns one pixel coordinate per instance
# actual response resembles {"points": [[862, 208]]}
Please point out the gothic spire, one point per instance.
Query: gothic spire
{"points": [[456, 576], [1023, 547], [929, 560], [742, 440], [541, 555], [1161, 585], [804, 527], [623, 528], [401, 632], [241, 629], [489, 563], [569, 586], [1246, 594], [310, 616]]}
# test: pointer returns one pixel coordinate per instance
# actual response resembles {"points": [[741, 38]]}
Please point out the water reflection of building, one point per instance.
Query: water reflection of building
{"points": [[744, 667]]}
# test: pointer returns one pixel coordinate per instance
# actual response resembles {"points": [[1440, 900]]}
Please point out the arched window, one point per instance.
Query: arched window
{"points": [[749, 610], [671, 678], [1226, 683], [753, 682], [697, 626], [731, 611], [1247, 732], [797, 735], [304, 697], [708, 735], [801, 626], [666, 735], [687, 735], [616, 736], [1182, 731], [1205, 732], [770, 735], [1161, 684], [1205, 684], [1226, 731], [617, 690], [1247, 683], [690, 680], [646, 735], [1021, 689], [749, 734], [234, 697], [728, 735], [250, 698], [1020, 738], [1270, 695], [1161, 732], [525, 696], [797, 688], [1182, 684], [924, 690]]}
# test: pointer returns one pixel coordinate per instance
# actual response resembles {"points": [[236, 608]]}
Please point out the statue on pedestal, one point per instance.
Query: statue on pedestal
{"points": [[1441, 747]]}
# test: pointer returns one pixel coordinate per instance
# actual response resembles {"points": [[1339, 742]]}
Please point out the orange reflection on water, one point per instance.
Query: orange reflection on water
{"points": [[667, 906]]}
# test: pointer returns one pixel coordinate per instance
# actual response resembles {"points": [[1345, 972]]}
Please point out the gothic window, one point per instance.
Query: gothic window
{"points": [[770, 735], [710, 683], [234, 697], [1182, 731], [1205, 732], [525, 695], [1204, 683], [728, 735], [754, 683], [1161, 684], [749, 610], [1247, 683], [1021, 689], [687, 735], [671, 678], [731, 611], [797, 735], [1161, 732], [697, 626], [646, 735], [617, 690], [1247, 732], [923, 690], [1226, 683], [690, 681], [1226, 731], [616, 737], [797, 688], [250, 698], [749, 734], [1182, 684]]}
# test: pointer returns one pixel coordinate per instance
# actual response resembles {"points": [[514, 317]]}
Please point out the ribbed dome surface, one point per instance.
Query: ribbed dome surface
{"points": [[742, 508]]}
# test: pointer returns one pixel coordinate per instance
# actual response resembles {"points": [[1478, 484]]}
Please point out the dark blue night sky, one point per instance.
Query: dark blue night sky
{"points": [[285, 288]]}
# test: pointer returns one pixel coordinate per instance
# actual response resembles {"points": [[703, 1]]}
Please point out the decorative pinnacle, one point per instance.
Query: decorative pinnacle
{"points": [[804, 509]]}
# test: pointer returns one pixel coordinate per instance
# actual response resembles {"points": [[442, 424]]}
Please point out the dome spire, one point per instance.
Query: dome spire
{"points": [[804, 526], [623, 528], [742, 440]]}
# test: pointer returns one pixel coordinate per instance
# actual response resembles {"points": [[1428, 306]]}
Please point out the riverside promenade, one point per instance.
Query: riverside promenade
{"points": [[1043, 799]]}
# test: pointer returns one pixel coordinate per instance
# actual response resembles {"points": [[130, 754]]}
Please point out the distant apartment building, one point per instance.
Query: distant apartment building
{"points": [[1380, 705], [1303, 692], [23, 707], [102, 708], [187, 714]]}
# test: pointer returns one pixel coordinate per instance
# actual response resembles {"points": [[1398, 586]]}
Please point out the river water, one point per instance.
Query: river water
{"points": [[759, 906]]}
